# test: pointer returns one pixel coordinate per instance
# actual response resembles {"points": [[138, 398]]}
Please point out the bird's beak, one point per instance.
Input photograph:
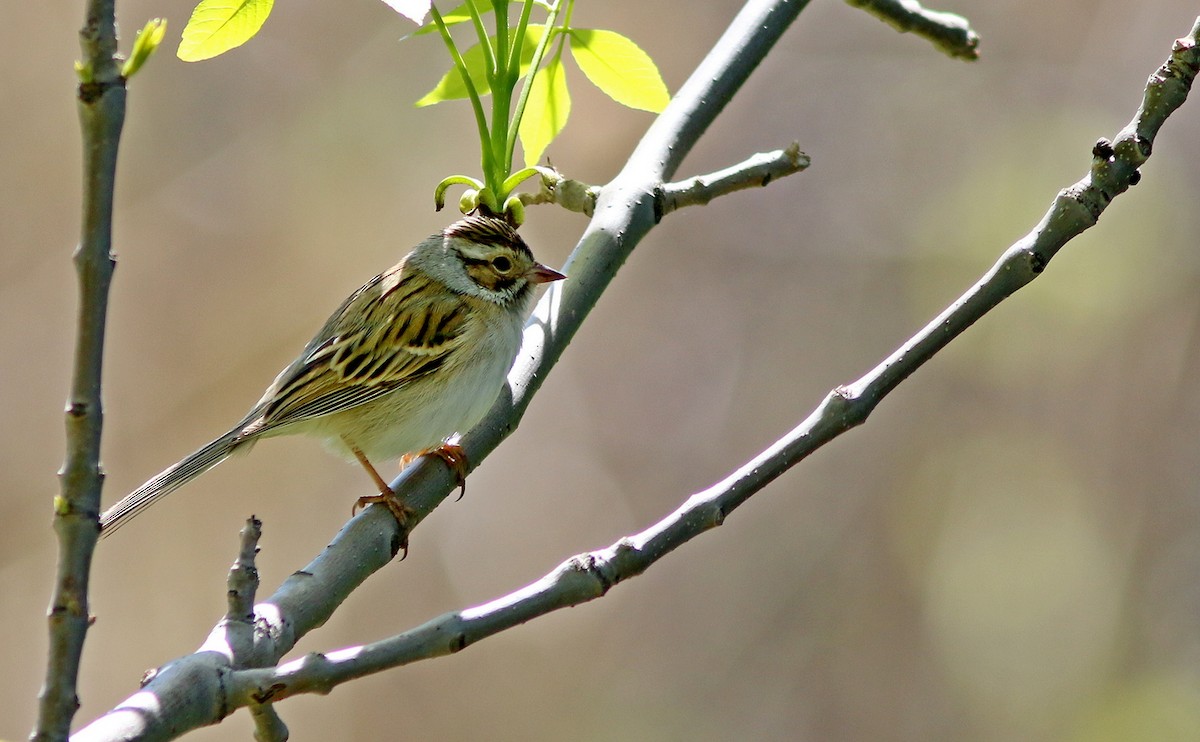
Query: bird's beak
{"points": [[541, 274]]}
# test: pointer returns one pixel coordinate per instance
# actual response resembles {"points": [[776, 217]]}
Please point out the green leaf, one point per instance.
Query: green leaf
{"points": [[451, 86], [144, 46], [216, 26], [461, 14], [546, 110], [413, 10], [620, 68]]}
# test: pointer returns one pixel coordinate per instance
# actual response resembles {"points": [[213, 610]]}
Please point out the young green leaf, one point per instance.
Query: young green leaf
{"points": [[620, 68], [216, 26], [144, 45], [451, 86], [413, 10], [453, 17], [546, 111]]}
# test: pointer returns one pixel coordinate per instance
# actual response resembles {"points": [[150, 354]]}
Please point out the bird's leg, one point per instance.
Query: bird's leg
{"points": [[387, 497], [454, 457]]}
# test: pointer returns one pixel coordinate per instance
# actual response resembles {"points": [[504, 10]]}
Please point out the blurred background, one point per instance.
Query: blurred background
{"points": [[1008, 550]]}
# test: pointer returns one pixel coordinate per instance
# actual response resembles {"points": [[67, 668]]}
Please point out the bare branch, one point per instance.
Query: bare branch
{"points": [[101, 105], [756, 172], [243, 575], [950, 33]]}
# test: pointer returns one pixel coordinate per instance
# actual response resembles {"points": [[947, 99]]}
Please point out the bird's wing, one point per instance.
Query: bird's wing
{"points": [[399, 327]]}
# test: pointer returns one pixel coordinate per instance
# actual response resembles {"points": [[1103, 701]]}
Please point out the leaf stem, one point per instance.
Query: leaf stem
{"points": [[485, 42], [514, 60], [502, 85], [551, 19], [487, 162]]}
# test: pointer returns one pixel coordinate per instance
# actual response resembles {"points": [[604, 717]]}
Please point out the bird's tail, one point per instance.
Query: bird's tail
{"points": [[167, 482]]}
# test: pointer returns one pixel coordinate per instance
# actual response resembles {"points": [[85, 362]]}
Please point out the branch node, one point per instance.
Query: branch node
{"points": [[1037, 261], [556, 188], [147, 677], [266, 695]]}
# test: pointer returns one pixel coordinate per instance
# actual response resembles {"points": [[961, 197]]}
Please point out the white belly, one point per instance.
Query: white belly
{"points": [[422, 414]]}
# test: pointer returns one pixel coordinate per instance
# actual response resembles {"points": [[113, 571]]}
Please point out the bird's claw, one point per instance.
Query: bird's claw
{"points": [[453, 456], [396, 506], [456, 459]]}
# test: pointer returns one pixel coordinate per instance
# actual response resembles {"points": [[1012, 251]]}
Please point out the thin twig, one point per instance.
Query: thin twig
{"points": [[756, 172], [243, 574], [101, 105], [949, 32]]}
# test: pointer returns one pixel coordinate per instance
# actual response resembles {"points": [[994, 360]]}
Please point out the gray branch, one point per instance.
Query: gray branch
{"points": [[949, 33], [756, 172], [101, 105]]}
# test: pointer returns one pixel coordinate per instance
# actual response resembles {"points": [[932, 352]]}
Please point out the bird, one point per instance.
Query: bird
{"points": [[418, 353]]}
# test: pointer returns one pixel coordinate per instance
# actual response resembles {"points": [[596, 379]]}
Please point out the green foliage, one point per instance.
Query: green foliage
{"points": [[547, 109], [620, 68], [216, 26], [493, 66], [452, 87]]}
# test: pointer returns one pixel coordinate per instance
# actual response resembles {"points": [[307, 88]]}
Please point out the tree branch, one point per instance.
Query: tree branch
{"points": [[572, 195], [187, 693], [101, 105], [758, 171], [590, 575], [951, 34]]}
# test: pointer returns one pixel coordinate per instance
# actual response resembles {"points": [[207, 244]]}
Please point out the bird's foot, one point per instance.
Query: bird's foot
{"points": [[396, 506], [454, 457]]}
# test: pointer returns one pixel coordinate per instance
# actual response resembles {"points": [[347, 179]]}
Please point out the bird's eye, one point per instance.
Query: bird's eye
{"points": [[501, 264]]}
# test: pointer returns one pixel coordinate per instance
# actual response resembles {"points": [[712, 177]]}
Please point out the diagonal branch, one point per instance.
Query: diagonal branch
{"points": [[756, 172], [949, 32]]}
